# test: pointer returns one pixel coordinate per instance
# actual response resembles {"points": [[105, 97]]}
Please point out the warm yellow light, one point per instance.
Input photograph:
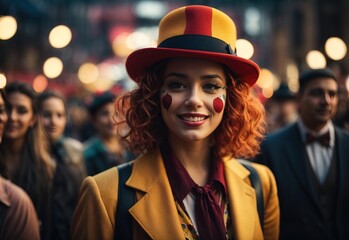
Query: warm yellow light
{"points": [[8, 27], [315, 59], [88, 73], [335, 48], [265, 79], [120, 47], [292, 77], [53, 67], [60, 36], [3, 80], [347, 84], [40, 83], [244, 48], [268, 92]]}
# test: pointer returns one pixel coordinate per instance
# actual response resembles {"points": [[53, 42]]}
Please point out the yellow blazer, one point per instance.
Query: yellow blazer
{"points": [[155, 214]]}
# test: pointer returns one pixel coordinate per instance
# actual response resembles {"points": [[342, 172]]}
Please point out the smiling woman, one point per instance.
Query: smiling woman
{"points": [[191, 116]]}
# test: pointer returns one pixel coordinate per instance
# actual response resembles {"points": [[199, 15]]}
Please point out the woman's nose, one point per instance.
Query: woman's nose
{"points": [[194, 97]]}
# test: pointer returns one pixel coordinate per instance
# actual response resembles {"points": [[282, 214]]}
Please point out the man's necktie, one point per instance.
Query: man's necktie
{"points": [[323, 139]]}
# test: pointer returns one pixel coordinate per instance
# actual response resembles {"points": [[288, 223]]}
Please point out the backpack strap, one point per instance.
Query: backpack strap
{"points": [[126, 199], [257, 185]]}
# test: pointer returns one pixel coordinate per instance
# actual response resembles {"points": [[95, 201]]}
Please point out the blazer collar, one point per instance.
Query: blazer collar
{"points": [[158, 205], [156, 211], [242, 199]]}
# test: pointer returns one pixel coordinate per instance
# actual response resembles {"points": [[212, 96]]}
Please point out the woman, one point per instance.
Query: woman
{"points": [[192, 114], [18, 219], [67, 153], [24, 152]]}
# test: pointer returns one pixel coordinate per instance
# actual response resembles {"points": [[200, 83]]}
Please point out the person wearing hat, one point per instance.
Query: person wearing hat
{"points": [[192, 114], [282, 108], [310, 161], [103, 150]]}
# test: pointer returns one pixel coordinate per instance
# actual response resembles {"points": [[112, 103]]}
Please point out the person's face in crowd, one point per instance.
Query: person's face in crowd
{"points": [[104, 121], [21, 116], [193, 98], [318, 102], [54, 117], [3, 116]]}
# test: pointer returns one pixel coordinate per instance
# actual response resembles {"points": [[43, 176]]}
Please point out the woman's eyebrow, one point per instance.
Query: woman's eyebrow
{"points": [[212, 76], [175, 74]]}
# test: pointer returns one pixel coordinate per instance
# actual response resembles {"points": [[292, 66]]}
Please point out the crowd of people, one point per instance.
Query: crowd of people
{"points": [[177, 141]]}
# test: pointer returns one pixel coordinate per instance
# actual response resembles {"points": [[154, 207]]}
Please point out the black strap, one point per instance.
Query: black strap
{"points": [[257, 185], [126, 198]]}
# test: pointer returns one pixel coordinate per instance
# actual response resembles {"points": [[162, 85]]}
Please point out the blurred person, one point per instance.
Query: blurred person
{"points": [[68, 155], [29, 164], [310, 162], [18, 218], [284, 109], [191, 115], [104, 150]]}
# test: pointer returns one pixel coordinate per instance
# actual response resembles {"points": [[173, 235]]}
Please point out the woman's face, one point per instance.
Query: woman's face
{"points": [[193, 98], [54, 117], [20, 116], [104, 121], [3, 116]]}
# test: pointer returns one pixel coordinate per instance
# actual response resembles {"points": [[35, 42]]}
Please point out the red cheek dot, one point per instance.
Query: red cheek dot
{"points": [[218, 104], [166, 101]]}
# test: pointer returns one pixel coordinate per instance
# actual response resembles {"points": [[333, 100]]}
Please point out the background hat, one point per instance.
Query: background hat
{"points": [[283, 93], [195, 31], [312, 74], [98, 100]]}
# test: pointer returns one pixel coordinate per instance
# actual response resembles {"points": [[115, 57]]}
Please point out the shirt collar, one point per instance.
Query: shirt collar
{"points": [[328, 127]]}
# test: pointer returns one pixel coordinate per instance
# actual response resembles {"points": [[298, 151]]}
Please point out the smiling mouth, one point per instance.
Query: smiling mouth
{"points": [[193, 117]]}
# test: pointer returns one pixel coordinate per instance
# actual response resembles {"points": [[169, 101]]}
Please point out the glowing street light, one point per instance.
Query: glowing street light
{"points": [[315, 59], [335, 48], [244, 48], [8, 27], [60, 36], [53, 67]]}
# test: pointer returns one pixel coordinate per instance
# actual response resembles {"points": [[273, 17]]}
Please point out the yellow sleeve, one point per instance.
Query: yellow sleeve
{"points": [[94, 216]]}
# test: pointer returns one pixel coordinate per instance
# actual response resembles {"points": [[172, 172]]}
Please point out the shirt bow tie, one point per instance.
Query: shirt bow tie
{"points": [[323, 139]]}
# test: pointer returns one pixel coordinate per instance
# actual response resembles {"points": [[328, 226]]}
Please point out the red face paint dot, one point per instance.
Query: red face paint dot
{"points": [[218, 104], [166, 101]]}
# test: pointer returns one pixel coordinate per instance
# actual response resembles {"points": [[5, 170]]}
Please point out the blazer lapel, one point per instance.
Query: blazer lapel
{"points": [[242, 200], [296, 156], [156, 211]]}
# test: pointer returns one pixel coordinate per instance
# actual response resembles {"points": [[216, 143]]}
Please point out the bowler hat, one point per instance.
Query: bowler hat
{"points": [[283, 93], [195, 32]]}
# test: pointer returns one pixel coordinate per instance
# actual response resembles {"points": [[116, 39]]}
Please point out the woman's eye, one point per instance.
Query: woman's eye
{"points": [[211, 87], [176, 85]]}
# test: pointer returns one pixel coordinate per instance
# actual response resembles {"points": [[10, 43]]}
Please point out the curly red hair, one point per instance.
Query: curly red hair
{"points": [[238, 135]]}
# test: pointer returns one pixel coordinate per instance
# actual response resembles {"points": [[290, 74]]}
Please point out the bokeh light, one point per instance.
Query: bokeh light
{"points": [[315, 59], [88, 73], [60, 36], [244, 48], [53, 67], [265, 79], [40, 83], [8, 27], [335, 48], [268, 92], [3, 80]]}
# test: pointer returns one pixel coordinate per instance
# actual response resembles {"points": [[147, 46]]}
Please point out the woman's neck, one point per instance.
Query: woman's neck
{"points": [[195, 157]]}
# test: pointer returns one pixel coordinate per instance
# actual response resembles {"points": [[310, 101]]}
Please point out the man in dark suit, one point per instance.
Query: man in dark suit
{"points": [[310, 161]]}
